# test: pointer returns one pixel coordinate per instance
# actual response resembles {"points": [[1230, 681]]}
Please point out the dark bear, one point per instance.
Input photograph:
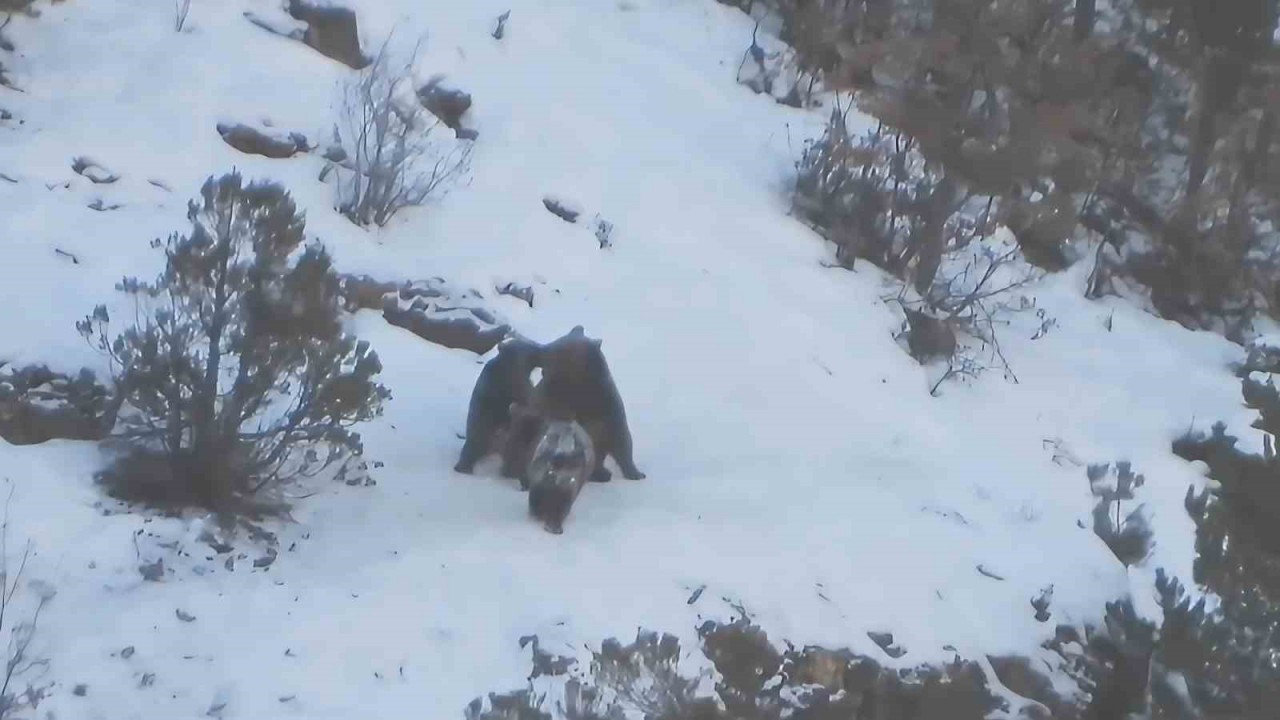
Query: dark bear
{"points": [[503, 381], [577, 385], [561, 462], [523, 434]]}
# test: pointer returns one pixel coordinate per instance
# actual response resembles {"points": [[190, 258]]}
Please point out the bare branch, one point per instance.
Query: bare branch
{"points": [[392, 159], [181, 10], [18, 662]]}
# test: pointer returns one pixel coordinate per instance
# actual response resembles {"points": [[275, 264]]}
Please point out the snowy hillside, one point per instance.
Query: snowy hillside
{"points": [[797, 463]]}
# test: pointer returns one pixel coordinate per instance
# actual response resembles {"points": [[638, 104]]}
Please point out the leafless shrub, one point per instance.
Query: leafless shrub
{"points": [[391, 157], [877, 198], [181, 10], [975, 294], [20, 666]]}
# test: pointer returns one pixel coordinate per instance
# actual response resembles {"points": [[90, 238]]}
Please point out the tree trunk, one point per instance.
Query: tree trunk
{"points": [[1243, 184], [208, 450], [931, 242], [1203, 132], [1085, 13]]}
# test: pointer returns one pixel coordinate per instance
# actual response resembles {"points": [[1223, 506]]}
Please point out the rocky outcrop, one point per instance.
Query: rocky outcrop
{"points": [[38, 405], [431, 309], [267, 143]]}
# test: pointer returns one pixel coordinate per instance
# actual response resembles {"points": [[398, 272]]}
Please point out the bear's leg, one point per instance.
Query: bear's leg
{"points": [[621, 451], [512, 456], [517, 449], [600, 445], [472, 450]]}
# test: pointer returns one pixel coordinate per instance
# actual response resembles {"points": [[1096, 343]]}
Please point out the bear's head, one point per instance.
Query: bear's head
{"points": [[571, 359]]}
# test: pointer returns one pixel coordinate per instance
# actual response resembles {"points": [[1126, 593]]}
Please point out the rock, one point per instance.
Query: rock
{"points": [[257, 142], [561, 209], [449, 105], [80, 690], [929, 338], [988, 572], [361, 292], [520, 292], [280, 24], [38, 405], [467, 134], [501, 29], [152, 572], [22, 424], [822, 667], [954, 692], [430, 309], [101, 206], [1043, 229], [1020, 675], [885, 641], [97, 174], [458, 333], [331, 31], [335, 154], [216, 545]]}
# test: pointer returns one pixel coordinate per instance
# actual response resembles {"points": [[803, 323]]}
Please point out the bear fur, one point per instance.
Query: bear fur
{"points": [[523, 435], [504, 381], [577, 386], [558, 469]]}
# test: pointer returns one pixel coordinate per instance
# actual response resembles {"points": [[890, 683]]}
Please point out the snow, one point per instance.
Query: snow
{"points": [[796, 461]]}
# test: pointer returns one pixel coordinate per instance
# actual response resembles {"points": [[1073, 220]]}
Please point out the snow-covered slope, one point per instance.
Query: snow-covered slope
{"points": [[797, 463]]}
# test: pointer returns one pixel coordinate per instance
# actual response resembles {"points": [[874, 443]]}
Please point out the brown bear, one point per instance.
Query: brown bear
{"points": [[561, 462], [527, 427], [577, 385], [504, 381]]}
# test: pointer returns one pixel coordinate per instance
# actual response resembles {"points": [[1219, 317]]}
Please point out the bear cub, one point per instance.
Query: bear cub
{"points": [[558, 469]]}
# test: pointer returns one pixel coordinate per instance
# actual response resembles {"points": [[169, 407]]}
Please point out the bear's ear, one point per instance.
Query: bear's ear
{"points": [[596, 342], [577, 331]]}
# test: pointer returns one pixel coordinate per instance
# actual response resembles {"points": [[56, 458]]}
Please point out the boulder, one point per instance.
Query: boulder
{"points": [[38, 405], [445, 103], [331, 31], [252, 141]]}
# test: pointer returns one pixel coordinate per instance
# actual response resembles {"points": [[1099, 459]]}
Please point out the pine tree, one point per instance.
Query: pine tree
{"points": [[238, 370]]}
